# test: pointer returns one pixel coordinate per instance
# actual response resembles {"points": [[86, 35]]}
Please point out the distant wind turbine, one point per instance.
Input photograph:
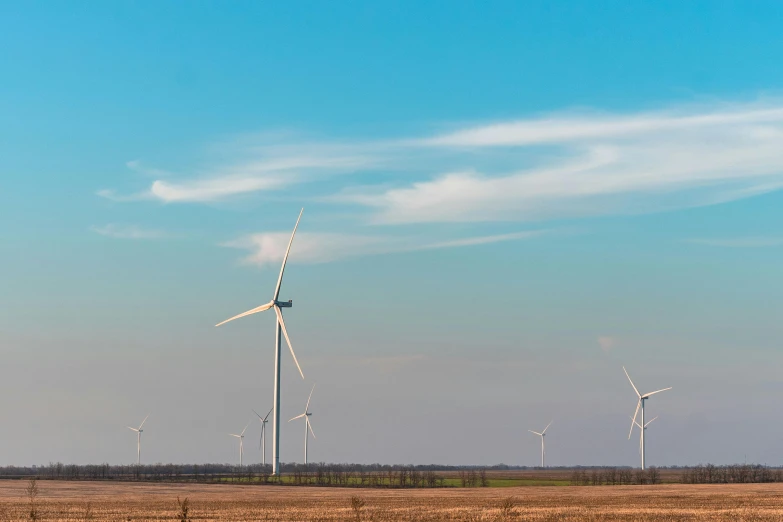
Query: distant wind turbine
{"points": [[138, 439], [241, 438], [262, 440], [542, 435], [643, 429], [306, 415], [640, 404], [279, 329]]}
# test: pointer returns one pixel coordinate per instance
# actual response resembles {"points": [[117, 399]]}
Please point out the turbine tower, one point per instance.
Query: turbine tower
{"points": [[138, 439], [306, 415], [241, 438], [640, 404], [279, 329], [542, 435], [262, 440]]}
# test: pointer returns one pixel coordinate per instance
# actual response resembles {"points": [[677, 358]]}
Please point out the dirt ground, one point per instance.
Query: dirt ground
{"points": [[73, 501]]}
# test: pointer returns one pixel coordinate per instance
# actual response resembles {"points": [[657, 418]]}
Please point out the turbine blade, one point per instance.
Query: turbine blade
{"points": [[243, 431], [311, 428], [249, 312], [531, 431], [650, 421], [285, 258], [257, 415], [297, 417], [267, 415], [633, 420], [657, 391], [234, 435], [142, 422], [285, 333], [134, 429], [547, 427], [632, 384], [310, 397]]}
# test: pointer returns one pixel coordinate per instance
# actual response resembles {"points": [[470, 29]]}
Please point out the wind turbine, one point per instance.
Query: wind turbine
{"points": [[262, 440], [643, 429], [279, 329], [640, 403], [138, 439], [306, 415], [241, 438], [542, 435]]}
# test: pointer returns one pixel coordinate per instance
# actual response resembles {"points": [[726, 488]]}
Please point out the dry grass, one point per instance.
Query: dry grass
{"points": [[69, 501]]}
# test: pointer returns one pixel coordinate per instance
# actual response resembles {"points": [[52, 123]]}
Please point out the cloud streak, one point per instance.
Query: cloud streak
{"points": [[268, 248], [277, 167], [740, 242], [565, 165], [127, 232], [591, 126], [605, 165]]}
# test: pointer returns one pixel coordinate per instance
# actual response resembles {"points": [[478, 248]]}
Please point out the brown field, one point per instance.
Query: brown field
{"points": [[68, 501]]}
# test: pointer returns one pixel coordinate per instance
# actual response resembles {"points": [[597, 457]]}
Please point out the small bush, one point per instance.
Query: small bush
{"points": [[184, 509], [357, 504], [507, 508]]}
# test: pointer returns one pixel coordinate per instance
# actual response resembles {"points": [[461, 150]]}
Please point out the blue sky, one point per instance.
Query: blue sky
{"points": [[504, 203]]}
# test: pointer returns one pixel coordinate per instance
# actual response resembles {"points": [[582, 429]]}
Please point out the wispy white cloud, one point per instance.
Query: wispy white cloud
{"points": [[212, 189], [141, 168], [604, 165], [127, 232], [565, 165], [268, 248], [740, 242], [594, 125], [274, 168], [484, 240]]}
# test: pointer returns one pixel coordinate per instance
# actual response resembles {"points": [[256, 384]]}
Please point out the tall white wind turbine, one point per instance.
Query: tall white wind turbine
{"points": [[262, 440], [241, 438], [138, 439], [542, 435], [640, 404], [279, 329], [306, 416]]}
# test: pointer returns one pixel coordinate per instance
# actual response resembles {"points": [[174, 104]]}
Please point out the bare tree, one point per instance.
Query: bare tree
{"points": [[653, 475], [640, 477], [32, 493]]}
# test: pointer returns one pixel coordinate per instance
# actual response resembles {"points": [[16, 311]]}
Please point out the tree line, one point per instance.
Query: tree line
{"points": [[615, 476], [386, 476], [320, 474]]}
